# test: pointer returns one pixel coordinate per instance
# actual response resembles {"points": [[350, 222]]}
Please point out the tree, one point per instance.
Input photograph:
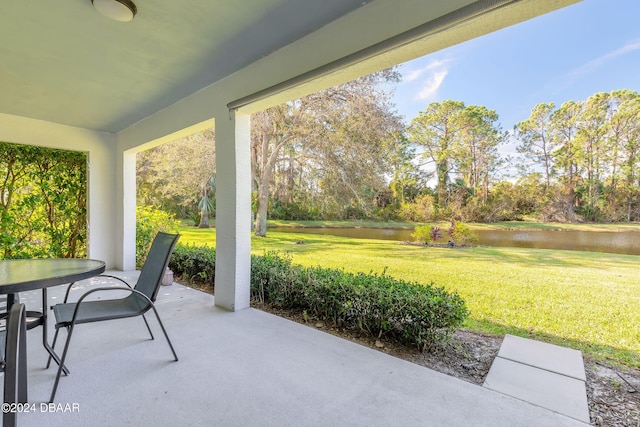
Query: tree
{"points": [[437, 130], [271, 131], [61, 177], [344, 153], [407, 181], [479, 158], [460, 142], [175, 176], [206, 205], [567, 152], [332, 145], [592, 150], [536, 142], [590, 139], [624, 137]]}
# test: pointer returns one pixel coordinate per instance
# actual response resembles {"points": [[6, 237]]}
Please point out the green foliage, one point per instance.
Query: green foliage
{"points": [[462, 234], [207, 204], [365, 165], [422, 209], [193, 217], [272, 280], [148, 222], [426, 234], [176, 176], [328, 150], [194, 263], [296, 211], [377, 304], [43, 199]]}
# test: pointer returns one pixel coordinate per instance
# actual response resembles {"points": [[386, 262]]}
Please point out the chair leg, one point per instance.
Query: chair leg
{"points": [[53, 346], [15, 375], [175, 356], [148, 328], [22, 362], [61, 366], [66, 349]]}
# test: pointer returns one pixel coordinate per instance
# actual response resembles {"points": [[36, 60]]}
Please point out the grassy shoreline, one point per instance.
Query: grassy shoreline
{"points": [[503, 225], [583, 300]]}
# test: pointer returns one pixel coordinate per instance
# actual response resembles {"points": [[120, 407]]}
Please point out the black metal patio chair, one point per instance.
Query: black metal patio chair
{"points": [[140, 300], [13, 346]]}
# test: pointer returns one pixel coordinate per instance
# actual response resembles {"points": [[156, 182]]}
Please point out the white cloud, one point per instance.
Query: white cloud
{"points": [[629, 47], [412, 75], [425, 80], [432, 84], [597, 62]]}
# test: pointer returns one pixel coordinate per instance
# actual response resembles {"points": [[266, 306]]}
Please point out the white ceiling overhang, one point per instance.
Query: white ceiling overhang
{"points": [[63, 62]]}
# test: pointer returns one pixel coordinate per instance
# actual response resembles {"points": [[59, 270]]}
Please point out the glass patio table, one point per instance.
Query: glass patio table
{"points": [[30, 274]]}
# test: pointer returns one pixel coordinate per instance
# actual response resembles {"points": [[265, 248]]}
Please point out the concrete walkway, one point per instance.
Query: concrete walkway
{"points": [[249, 368], [543, 374]]}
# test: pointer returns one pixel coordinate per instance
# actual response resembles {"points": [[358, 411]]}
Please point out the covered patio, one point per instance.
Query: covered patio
{"points": [[70, 78], [248, 368]]}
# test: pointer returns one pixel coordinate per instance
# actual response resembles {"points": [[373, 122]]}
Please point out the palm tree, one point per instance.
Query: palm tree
{"points": [[206, 205]]}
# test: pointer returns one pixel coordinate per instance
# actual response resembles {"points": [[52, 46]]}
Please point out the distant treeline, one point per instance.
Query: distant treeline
{"points": [[344, 153], [576, 162]]}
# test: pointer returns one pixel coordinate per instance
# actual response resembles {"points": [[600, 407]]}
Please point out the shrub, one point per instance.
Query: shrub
{"points": [[148, 222], [426, 234], [462, 235], [193, 217], [420, 210], [296, 211], [194, 263], [376, 304], [422, 234], [276, 280]]}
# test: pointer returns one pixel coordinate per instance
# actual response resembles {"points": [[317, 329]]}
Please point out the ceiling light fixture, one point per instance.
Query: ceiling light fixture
{"points": [[117, 10]]}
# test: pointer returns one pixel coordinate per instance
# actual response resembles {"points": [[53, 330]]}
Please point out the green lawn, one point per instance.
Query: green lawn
{"points": [[585, 300]]}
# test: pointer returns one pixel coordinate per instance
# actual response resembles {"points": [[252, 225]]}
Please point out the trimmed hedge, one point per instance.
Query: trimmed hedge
{"points": [[194, 263], [377, 304]]}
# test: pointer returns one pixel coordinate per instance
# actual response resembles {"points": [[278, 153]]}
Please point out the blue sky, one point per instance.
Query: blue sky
{"points": [[570, 54]]}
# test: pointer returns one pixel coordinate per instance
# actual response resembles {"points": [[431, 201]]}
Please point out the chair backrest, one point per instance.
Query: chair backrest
{"points": [[155, 264]]}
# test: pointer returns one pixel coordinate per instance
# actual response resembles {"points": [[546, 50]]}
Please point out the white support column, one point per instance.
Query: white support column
{"points": [[233, 211], [126, 208], [101, 210]]}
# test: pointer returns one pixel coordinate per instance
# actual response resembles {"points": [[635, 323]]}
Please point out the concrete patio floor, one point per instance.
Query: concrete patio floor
{"points": [[248, 368]]}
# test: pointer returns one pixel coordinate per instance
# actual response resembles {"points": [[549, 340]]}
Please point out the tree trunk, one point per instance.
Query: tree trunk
{"points": [[204, 210], [260, 228], [204, 220], [442, 170]]}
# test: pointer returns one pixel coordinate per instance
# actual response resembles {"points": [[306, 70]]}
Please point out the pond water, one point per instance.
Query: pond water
{"points": [[620, 242]]}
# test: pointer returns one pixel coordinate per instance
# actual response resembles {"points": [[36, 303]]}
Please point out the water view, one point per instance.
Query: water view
{"points": [[619, 242]]}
